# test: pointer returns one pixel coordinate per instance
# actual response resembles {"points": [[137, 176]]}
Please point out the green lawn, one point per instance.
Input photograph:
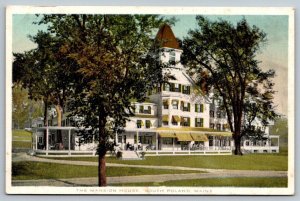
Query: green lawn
{"points": [[220, 182], [21, 144], [245, 162], [21, 139], [22, 133], [38, 170]]}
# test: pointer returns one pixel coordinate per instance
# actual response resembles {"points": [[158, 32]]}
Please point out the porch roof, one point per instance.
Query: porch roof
{"points": [[222, 134], [184, 137], [199, 137], [57, 128], [167, 135]]}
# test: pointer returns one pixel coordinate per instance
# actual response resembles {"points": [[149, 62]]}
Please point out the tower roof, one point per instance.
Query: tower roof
{"points": [[166, 37]]}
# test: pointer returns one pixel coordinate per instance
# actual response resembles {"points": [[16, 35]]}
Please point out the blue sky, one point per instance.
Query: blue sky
{"points": [[274, 54]]}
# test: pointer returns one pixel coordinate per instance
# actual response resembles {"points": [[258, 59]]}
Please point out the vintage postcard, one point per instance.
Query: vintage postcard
{"points": [[150, 100]]}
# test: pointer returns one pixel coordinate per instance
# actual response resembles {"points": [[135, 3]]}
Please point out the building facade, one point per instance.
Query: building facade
{"points": [[177, 117]]}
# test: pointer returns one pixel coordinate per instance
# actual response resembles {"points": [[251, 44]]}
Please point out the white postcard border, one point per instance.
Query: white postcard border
{"points": [[153, 10]]}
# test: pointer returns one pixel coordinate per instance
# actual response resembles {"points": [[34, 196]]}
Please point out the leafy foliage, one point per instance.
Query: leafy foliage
{"points": [[114, 61], [223, 58]]}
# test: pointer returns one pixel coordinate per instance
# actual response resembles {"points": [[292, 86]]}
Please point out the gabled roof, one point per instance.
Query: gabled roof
{"points": [[166, 37]]}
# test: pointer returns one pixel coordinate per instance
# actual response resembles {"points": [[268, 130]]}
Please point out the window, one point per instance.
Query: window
{"points": [[119, 138], [224, 127], [172, 57], [218, 114], [185, 106], [166, 87], [212, 126], [198, 122], [167, 141], [148, 111], [177, 87], [158, 88], [186, 89], [165, 104], [175, 104], [139, 123], [174, 123], [199, 107], [141, 109], [165, 123], [148, 123], [218, 127], [40, 140], [185, 121], [212, 114]]}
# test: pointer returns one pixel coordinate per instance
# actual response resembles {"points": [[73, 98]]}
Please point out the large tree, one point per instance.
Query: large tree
{"points": [[116, 62], [45, 73], [222, 58]]}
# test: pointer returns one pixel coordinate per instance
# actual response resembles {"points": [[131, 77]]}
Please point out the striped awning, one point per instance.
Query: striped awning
{"points": [[165, 118], [183, 137], [167, 135], [199, 137], [176, 118]]}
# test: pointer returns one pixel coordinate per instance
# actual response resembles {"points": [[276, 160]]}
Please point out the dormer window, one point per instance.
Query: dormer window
{"points": [[172, 57]]}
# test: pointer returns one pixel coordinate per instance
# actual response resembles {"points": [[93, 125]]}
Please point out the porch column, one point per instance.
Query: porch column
{"points": [[173, 139], [47, 140], [36, 141], [137, 140], [116, 137], [69, 141], [156, 143]]}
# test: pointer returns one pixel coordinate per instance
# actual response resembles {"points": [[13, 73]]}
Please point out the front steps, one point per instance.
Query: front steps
{"points": [[130, 155]]}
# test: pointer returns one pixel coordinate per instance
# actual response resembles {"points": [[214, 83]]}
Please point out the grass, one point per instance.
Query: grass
{"points": [[21, 144], [38, 170], [21, 139], [22, 133], [219, 182], [245, 162]]}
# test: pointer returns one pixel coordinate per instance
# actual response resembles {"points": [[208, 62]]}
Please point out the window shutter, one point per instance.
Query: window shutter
{"points": [[196, 107], [179, 88], [201, 108], [189, 107]]}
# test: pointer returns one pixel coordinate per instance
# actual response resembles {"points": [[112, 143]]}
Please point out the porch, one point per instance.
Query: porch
{"points": [[175, 142]]}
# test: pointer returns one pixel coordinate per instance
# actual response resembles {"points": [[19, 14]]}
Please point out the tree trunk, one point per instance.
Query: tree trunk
{"points": [[101, 170], [237, 145], [59, 119], [102, 150]]}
